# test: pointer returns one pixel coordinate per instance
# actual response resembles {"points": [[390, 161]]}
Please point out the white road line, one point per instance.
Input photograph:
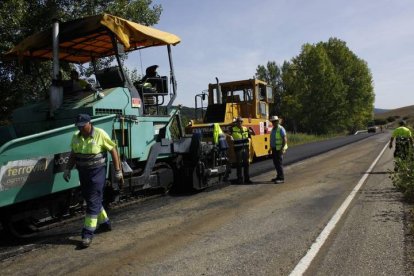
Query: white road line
{"points": [[305, 262]]}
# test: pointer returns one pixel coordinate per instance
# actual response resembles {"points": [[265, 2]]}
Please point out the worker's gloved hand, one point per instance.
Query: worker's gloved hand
{"points": [[66, 175], [118, 175]]}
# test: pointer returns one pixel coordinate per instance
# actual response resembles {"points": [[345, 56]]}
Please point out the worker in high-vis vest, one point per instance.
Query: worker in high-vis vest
{"points": [[240, 137], [219, 139], [89, 151], [278, 144], [403, 140]]}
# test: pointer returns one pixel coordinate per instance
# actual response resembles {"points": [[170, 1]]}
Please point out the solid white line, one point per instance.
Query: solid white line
{"points": [[305, 262]]}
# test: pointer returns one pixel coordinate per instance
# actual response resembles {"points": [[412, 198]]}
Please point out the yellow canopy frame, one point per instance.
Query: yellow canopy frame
{"points": [[88, 38]]}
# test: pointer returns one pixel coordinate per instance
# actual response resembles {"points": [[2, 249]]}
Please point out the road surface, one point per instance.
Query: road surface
{"points": [[259, 229]]}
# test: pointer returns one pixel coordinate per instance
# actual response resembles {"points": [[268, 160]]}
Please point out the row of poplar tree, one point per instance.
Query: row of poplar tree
{"points": [[325, 89]]}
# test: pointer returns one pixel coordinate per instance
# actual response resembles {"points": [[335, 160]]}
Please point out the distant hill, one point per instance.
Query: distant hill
{"points": [[380, 110], [405, 113], [187, 112]]}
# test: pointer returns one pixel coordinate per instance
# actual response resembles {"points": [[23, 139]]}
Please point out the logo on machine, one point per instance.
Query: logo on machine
{"points": [[33, 171], [208, 131]]}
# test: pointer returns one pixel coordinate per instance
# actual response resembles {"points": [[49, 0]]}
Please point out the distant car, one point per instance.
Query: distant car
{"points": [[372, 129]]}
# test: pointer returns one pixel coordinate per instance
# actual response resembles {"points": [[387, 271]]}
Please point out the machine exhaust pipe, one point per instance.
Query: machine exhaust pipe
{"points": [[56, 90], [55, 40], [218, 92]]}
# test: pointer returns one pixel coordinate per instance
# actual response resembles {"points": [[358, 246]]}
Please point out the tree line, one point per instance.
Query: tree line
{"points": [[325, 89]]}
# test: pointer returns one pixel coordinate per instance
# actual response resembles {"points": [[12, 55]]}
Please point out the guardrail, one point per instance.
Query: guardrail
{"points": [[361, 131]]}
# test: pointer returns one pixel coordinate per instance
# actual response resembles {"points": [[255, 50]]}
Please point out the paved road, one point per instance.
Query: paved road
{"points": [[371, 237], [261, 229], [301, 152]]}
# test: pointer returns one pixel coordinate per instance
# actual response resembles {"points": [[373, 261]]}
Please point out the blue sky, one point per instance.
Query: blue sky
{"points": [[228, 39]]}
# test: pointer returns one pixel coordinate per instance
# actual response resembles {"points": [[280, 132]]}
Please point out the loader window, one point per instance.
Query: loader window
{"points": [[269, 94], [265, 93], [262, 109], [242, 95]]}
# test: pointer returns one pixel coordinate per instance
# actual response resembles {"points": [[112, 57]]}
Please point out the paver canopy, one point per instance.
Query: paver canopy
{"points": [[85, 39]]}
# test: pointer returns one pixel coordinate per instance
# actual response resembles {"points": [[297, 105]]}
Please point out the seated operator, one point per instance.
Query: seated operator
{"points": [[150, 72], [75, 85]]}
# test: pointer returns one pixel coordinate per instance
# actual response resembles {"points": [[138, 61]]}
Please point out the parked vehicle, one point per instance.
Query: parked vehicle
{"points": [[248, 99]]}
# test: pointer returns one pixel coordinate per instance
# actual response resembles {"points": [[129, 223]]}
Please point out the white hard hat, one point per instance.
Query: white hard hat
{"points": [[274, 118], [238, 119]]}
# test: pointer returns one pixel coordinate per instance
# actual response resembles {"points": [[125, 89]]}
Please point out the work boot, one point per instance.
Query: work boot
{"points": [[279, 181], [248, 181], [86, 242], [104, 227], [275, 178]]}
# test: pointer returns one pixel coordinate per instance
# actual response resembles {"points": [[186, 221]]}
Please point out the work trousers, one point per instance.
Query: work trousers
{"points": [[277, 156], [242, 162], [92, 183], [402, 148]]}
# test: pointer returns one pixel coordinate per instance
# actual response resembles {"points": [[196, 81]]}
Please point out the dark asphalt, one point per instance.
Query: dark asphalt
{"points": [[301, 152], [294, 154]]}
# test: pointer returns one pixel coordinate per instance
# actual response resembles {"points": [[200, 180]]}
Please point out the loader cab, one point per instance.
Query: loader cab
{"points": [[246, 98]]}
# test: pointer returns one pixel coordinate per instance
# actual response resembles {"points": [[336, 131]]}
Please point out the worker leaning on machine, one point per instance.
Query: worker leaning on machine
{"points": [[219, 139], [89, 150]]}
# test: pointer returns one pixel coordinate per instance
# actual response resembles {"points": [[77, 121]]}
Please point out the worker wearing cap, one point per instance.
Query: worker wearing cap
{"points": [[403, 140], [240, 137], [150, 72], [89, 147], [278, 144]]}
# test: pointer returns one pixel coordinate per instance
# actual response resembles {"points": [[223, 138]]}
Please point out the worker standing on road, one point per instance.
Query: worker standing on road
{"points": [[403, 140], [278, 144], [89, 147], [240, 137]]}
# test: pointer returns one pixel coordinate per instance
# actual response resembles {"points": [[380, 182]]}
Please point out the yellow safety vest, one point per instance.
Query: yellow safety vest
{"points": [[401, 132], [279, 139], [90, 152], [216, 132], [240, 136]]}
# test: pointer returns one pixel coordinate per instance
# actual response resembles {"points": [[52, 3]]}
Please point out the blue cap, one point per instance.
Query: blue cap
{"points": [[82, 120]]}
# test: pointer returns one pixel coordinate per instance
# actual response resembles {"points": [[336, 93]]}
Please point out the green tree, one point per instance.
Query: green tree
{"points": [[357, 79], [16, 23], [321, 92], [327, 89]]}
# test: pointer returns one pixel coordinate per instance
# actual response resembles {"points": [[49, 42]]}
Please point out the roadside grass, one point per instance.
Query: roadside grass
{"points": [[295, 139], [403, 177]]}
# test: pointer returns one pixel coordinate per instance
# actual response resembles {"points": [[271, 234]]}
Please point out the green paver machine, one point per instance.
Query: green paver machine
{"points": [[155, 152]]}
